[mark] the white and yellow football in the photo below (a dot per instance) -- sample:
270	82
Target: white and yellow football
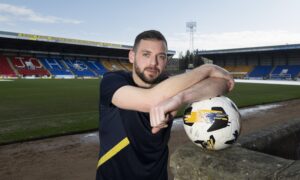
213	124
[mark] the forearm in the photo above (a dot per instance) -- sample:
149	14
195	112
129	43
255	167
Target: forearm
140	99
177	84
205	89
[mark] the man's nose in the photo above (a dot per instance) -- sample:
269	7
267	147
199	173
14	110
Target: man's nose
153	60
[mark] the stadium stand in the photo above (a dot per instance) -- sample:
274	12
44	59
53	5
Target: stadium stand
126	64
29	66
260	72
275	62
117	65
239	71
78	67
229	68
55	66
285	72
33	56
279	72
96	67
108	65
81	68
5	68
294	70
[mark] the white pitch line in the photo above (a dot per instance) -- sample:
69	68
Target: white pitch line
280	82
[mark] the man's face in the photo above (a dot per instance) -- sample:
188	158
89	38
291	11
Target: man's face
149	60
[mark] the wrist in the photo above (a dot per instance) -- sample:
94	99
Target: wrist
179	98
206	70
186	97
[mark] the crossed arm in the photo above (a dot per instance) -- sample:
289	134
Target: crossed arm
207	88
140	99
200	83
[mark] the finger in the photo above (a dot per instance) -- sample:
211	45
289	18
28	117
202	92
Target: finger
228	77
165	126
162	117
155	130
161	126
152	117
158	128
157	117
230	84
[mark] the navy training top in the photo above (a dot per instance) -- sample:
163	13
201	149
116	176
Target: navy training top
128	149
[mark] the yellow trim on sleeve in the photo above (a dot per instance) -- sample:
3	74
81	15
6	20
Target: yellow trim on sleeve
113	151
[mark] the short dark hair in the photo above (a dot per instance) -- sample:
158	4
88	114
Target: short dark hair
150	34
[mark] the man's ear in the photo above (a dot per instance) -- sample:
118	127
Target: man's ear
131	55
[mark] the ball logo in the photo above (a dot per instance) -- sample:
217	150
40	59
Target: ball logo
216	116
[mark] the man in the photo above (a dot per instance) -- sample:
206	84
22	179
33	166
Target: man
136	109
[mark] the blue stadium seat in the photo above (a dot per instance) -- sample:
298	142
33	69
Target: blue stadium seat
293	70
79	68
260	72
55	66
96	66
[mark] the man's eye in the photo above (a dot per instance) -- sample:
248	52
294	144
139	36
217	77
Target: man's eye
146	55
162	57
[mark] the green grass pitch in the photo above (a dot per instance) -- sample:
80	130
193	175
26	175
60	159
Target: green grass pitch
41	108
31	109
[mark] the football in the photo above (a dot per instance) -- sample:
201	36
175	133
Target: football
212	124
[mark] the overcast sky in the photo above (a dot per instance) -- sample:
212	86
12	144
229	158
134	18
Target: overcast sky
221	24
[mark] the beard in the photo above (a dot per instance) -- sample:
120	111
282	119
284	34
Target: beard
143	77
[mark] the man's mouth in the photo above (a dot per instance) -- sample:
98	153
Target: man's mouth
152	70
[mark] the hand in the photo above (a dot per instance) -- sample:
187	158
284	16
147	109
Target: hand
163	112
219	72
169	116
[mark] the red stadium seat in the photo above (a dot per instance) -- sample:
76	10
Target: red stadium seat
5	68
29	66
